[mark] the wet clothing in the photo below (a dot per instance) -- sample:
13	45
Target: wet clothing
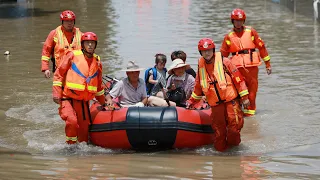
227	122
221	83
76	115
250	75
127	94
57	44
77	80
242	46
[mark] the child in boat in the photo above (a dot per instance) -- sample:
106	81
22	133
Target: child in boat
156	75
155	79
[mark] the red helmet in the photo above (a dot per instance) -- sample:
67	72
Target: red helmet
89	36
205	44
238	14
67	15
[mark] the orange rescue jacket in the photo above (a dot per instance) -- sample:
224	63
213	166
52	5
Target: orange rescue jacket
82	81
57	45
243	49
218	86
62	44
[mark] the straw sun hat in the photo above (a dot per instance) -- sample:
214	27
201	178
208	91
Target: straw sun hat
177	63
132	66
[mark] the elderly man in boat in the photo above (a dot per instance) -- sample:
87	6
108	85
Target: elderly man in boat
131	91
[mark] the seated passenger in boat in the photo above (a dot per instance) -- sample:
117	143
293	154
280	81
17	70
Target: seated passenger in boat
131	91
180	84
182	55
155	79
156	75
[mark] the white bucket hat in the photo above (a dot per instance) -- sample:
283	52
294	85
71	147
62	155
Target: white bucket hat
132	66
177	63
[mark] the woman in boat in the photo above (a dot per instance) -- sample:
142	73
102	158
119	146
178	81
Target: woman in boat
182	55
180	84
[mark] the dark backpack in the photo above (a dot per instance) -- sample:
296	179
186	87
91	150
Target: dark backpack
178	95
149	86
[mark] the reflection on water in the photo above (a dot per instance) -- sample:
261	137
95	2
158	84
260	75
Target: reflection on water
173	165
297	163
280	142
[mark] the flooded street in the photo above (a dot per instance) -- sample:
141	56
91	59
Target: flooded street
280	142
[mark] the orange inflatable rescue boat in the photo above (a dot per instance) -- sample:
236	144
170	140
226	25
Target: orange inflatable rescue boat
150	128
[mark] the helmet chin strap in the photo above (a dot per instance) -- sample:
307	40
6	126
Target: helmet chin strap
239	29
210	60
86	52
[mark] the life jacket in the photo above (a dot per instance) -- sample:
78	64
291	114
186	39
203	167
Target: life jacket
81	80
218	88
149	86
243	49
63	46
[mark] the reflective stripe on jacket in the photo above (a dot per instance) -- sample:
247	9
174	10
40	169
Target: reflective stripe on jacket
243	49
218	88
62	44
81	77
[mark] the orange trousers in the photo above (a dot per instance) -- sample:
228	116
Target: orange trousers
76	114
250	75
227	123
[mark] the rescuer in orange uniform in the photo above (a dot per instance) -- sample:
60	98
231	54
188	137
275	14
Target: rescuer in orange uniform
80	75
242	42
59	41
220	81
